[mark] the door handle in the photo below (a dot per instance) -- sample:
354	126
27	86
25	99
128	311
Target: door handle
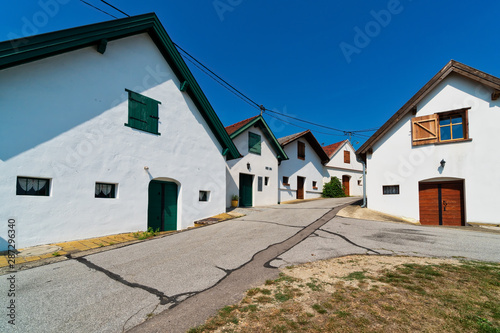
444	205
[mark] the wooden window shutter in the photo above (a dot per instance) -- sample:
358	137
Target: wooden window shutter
254	143
347	156
142	112
301	150
424	130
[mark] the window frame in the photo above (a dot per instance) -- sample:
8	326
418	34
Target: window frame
260	184
149	111
112	193
46	188
427	129
202	198
266	181
254	147
386	188
465	125
301	150
314	185
286	183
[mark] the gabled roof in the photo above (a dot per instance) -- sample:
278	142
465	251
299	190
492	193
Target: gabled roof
24	50
234	127
309	137
332	149
258	121
451	67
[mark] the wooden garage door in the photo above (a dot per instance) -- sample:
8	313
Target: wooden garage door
442	203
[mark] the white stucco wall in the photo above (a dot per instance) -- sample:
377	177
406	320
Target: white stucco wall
63	119
310	168
395	162
337	168
263	165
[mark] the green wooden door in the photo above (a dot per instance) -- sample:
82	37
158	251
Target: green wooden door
245	190
162	206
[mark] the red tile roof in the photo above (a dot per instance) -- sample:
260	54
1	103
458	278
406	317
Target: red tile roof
330	150
234	127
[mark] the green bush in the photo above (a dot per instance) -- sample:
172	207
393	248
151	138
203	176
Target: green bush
333	189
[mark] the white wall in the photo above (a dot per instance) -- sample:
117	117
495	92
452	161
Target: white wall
336	167
310	168
395	162
63	119
264	165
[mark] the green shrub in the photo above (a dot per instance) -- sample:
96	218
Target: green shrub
333	189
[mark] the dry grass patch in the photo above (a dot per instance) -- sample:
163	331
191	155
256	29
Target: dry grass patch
370	294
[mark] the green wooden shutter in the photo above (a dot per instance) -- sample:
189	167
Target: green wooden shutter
254	143
142	112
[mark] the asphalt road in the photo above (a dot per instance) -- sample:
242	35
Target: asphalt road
190	274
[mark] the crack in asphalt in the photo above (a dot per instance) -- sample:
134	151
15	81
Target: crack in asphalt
179	319
348	240
164	299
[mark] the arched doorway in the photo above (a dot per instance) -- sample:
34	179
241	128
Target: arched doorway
345	184
162	205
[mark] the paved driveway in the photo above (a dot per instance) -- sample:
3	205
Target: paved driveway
191	274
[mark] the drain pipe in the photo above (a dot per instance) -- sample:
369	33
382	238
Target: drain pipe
364	180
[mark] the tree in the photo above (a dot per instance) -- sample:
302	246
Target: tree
333	189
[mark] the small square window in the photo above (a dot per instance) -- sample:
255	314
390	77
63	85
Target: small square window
204	195
266	181
105	190
390	189
360	183
315	185
285	181
33	186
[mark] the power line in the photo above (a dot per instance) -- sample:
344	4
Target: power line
289	123
99	9
110	5
215	79
230	87
208	69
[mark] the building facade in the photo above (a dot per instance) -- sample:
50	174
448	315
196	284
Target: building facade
301	176
434	161
344	165
105	131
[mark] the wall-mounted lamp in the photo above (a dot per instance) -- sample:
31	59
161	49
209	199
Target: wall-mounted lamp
146	168
443	162
248	166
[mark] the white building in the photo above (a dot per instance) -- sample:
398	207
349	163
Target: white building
104	130
301	176
435	161
254	176
345	167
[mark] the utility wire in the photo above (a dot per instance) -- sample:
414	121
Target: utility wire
110	5
99	9
223	85
208	69
232	89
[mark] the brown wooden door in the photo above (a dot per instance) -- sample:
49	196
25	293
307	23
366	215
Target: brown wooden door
442	203
345	184
300	187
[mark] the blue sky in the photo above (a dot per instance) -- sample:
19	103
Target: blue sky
349	65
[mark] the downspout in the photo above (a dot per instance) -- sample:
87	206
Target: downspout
364	180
